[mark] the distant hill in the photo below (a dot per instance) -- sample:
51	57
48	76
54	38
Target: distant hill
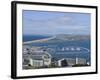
72	37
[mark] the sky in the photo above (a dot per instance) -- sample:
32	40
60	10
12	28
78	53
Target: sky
53	23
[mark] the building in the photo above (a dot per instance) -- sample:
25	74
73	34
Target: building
26	49
71	62
41	57
37	58
81	61
36	63
66	62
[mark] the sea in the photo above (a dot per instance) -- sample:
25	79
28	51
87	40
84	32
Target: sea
33	37
55	45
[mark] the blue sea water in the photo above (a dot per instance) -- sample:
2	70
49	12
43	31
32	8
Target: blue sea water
56	44
33	37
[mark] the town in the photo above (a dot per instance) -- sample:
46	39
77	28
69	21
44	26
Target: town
39	57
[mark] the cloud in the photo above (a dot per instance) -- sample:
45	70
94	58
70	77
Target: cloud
56	24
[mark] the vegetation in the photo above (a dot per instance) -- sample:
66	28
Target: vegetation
79	65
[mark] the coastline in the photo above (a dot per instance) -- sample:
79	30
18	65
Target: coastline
40	40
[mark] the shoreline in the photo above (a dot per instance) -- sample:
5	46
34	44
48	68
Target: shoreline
40	40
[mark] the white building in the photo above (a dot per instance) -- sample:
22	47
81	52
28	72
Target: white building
26	49
71	61
81	61
37	58
36	63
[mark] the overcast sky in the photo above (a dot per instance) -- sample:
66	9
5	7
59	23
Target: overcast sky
53	23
